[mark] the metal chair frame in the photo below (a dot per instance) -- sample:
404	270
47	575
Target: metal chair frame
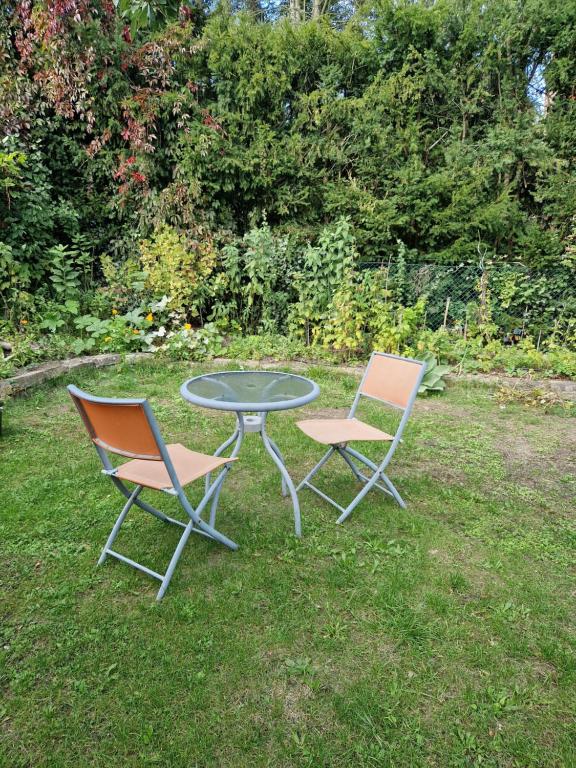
194	525
350	454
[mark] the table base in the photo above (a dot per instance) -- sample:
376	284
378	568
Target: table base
257	423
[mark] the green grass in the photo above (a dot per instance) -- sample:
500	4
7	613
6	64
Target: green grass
442	635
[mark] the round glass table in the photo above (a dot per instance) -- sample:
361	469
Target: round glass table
251	395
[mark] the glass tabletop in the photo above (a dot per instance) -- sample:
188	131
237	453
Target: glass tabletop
250	390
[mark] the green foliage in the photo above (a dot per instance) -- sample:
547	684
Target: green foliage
433	380
274	347
285	179
119	333
327	268
63	275
147	13
193	344
10	169
177	265
367	313
395	326
252	288
124	283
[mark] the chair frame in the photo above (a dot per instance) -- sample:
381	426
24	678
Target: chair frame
350	454
194	525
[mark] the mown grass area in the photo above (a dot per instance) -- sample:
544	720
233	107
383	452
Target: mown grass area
442	635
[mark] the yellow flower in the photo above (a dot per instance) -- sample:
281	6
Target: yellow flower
187	326
108	338
136	332
23	321
114	311
149	317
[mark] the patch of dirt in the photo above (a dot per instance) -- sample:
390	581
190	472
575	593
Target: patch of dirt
544	670
293	694
438	405
43	416
323	413
535	455
526	452
441	464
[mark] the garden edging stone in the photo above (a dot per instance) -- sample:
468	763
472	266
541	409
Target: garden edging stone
38	374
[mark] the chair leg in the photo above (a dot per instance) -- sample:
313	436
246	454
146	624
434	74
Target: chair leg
393	490
350	508
347	454
174	560
197	523
194	514
115	531
351	464
315	469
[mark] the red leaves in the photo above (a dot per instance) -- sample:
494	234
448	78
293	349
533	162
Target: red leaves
209	121
68	69
97	143
60	12
46	39
136	134
129	175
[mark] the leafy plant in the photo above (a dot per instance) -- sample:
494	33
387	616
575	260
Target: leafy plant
274	347
119	333
394	326
192	344
433	380
177	265
56	316
63	275
326	269
253	289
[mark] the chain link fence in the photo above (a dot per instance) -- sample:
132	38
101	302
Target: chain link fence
518	301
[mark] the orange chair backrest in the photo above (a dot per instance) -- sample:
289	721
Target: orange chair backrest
391	379
119	428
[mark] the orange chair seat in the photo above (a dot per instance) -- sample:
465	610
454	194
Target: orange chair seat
336	431
189	466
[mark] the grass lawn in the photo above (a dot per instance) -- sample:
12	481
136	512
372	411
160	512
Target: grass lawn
442	635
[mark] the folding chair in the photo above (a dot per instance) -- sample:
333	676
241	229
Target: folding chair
390	379
127	427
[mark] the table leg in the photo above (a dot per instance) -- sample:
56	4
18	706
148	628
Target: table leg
279	454
276	456
238	436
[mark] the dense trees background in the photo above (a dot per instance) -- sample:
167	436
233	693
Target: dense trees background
444	128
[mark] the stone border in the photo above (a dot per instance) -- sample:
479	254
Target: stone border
38	374
34	375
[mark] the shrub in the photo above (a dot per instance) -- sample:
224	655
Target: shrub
178	266
251	292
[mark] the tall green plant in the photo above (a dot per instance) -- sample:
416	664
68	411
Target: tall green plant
252	290
326	270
